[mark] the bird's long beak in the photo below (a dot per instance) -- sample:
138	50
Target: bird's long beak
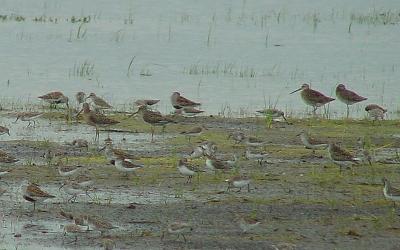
8	132
79	113
62	186
296	90
102	149
16	119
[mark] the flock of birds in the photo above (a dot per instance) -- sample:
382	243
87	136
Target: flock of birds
93	114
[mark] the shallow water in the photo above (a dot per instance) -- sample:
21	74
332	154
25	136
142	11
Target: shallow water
282	43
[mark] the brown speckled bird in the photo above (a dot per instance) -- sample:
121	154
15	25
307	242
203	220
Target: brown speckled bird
390	192
153	118
98	102
375	111
146	102
4	130
55	98
33	193
96	119
312	97
348	97
179	101
341	157
7	158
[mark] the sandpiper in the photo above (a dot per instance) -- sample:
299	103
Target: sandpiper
72	188
100	224
146	102
214	164
126	166
153	118
238	182
69	170
311	143
29	117
204	148
7	158
375	111
115	153
55	98
390	192
254	141
312	97
188	111
178	228
187	170
4	130
179	101
98	102
74	230
32	193
80	97
237	136
341	157
273	113
80	143
247	223
363	153
195	131
260	157
96	119
348	97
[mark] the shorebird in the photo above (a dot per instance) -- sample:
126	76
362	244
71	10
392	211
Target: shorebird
126	166
237	136
4	130
254	141
29	117
390	192
341	157
238	182
72	188
363	153
188	111
98	102
247	224
7	158
96	119
115	153
348	97
146	102
80	143
55	98
74	230
195	131
179	101
214	164
311	143
260	157
312	97
187	170
80	97
273	113
178	228
33	193
65	171
100	224
375	111
153	118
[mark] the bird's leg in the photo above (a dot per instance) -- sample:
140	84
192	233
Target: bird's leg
152	134
348	111
29	124
248	187
34	206
314	110
184	237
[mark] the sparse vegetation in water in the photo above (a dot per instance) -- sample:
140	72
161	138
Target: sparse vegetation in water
223	69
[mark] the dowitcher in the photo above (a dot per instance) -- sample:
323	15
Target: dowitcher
188	111
238	182
153	118
178	228
312	143
273	113
341	157
96	119
55	98
312	97
29	117
33	193
179	101
98	102
348	97
4	130
390	192
375	111
187	169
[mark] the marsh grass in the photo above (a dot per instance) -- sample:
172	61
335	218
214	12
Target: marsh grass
221	69
86	69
